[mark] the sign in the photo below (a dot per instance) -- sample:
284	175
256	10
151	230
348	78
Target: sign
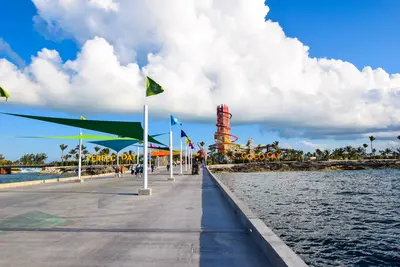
261	156
107	158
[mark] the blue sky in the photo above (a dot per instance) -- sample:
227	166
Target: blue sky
363	32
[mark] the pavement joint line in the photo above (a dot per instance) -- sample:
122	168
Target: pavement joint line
122	230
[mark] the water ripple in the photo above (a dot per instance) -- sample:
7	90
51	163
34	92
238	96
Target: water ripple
342	218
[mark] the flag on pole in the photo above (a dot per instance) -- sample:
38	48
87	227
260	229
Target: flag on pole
188	140
3	93
83	118
152	88
174	121
191	145
183	134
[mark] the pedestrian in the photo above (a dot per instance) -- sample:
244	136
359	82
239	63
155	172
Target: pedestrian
141	170
137	170
116	171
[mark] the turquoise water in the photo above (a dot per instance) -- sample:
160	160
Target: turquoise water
28	176
336	218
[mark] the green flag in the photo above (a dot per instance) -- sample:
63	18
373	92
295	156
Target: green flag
3	93
152	88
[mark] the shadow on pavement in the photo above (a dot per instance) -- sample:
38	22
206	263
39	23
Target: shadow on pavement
229	244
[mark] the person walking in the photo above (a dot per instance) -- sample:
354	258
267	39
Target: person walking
122	170
116	171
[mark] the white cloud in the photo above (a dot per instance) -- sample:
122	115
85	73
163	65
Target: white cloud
309	144
204	53
107	5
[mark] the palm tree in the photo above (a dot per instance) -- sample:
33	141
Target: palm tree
361	152
326	154
67	156
85	153
275	145
97	149
388	152
77	147
398	151
372	139
105	152
72	152
63	147
26	159
318	152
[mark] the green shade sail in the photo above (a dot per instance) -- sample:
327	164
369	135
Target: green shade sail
77	137
120	128
116	145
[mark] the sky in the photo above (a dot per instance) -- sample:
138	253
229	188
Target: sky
309	74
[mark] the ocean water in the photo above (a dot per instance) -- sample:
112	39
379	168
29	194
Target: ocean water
32	175
336	218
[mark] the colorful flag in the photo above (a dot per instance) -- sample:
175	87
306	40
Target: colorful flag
83	118
152	88
188	140
191	145
183	134
3	93
174	121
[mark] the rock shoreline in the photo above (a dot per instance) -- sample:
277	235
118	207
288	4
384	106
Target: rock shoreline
306	166
68	170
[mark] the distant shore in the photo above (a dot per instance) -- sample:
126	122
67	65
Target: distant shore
331	165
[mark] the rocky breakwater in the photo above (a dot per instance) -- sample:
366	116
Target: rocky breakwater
51	171
86	170
307	166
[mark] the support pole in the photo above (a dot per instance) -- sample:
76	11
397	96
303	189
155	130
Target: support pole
137	156
181	157
118	163
171	164
80	157
190	158
186	157
145	190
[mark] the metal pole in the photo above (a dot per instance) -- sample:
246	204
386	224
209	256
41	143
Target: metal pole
190	158
181	158
186	158
171	165
118	164
145	147
80	155
137	156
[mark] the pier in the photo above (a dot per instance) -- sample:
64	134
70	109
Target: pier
193	221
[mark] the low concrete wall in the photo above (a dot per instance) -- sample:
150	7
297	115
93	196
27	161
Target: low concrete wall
277	252
55	180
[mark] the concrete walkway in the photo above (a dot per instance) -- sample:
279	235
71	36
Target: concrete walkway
102	222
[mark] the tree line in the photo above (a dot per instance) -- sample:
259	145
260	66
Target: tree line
364	151
27	159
